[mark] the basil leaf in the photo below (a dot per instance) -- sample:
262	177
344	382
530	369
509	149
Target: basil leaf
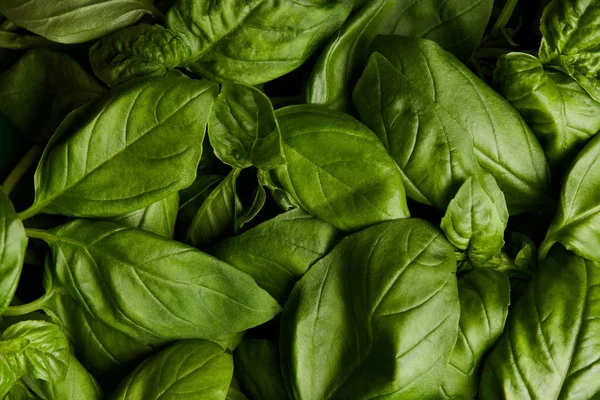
504	145
546	349
354	315
457	25
484	296
101	347
74	21
216	218
41	88
13	243
159	217
257	368
353	184
124	134
275	38
577	216
78	384
414	128
35	348
569	39
476	219
243	130
199	369
20	391
559	111
279	251
152	288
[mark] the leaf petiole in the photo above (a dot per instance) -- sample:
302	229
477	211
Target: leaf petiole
504	16
28	308
20	169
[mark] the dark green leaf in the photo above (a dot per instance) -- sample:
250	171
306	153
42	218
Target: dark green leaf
378	316
257	368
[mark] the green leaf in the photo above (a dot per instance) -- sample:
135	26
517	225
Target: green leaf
74	21
279	251
38	91
243	130
351	185
20	391
197	369
378	316
13	243
216	218
138	51
476	219
35	348
435	153
484	299
101	347
569	37
559	111
152	288
456	25
257	369
159	217
547	350
124	134
191	198
578	213
77	385
504	145
259	41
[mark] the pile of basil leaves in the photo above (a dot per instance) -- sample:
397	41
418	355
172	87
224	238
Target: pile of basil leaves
284	199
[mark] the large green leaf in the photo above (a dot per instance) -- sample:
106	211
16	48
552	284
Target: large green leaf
352	183
257	368
13	243
152	288
75	21
39	90
243	130
578	214
38	349
484	298
559	111
570	40
279	251
377	317
548	349
159	217
196	369
125	134
457	25
434	152
504	145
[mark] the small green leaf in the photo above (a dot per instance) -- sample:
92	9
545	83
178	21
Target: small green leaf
243	130
159	217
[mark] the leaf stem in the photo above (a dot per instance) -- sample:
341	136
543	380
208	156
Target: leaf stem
28	308
504	16
21	168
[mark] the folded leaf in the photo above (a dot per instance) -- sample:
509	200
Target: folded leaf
243	130
152	288
476	219
159	217
13	243
578	215
378	316
353	184
196	369
559	111
124	134
547	350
